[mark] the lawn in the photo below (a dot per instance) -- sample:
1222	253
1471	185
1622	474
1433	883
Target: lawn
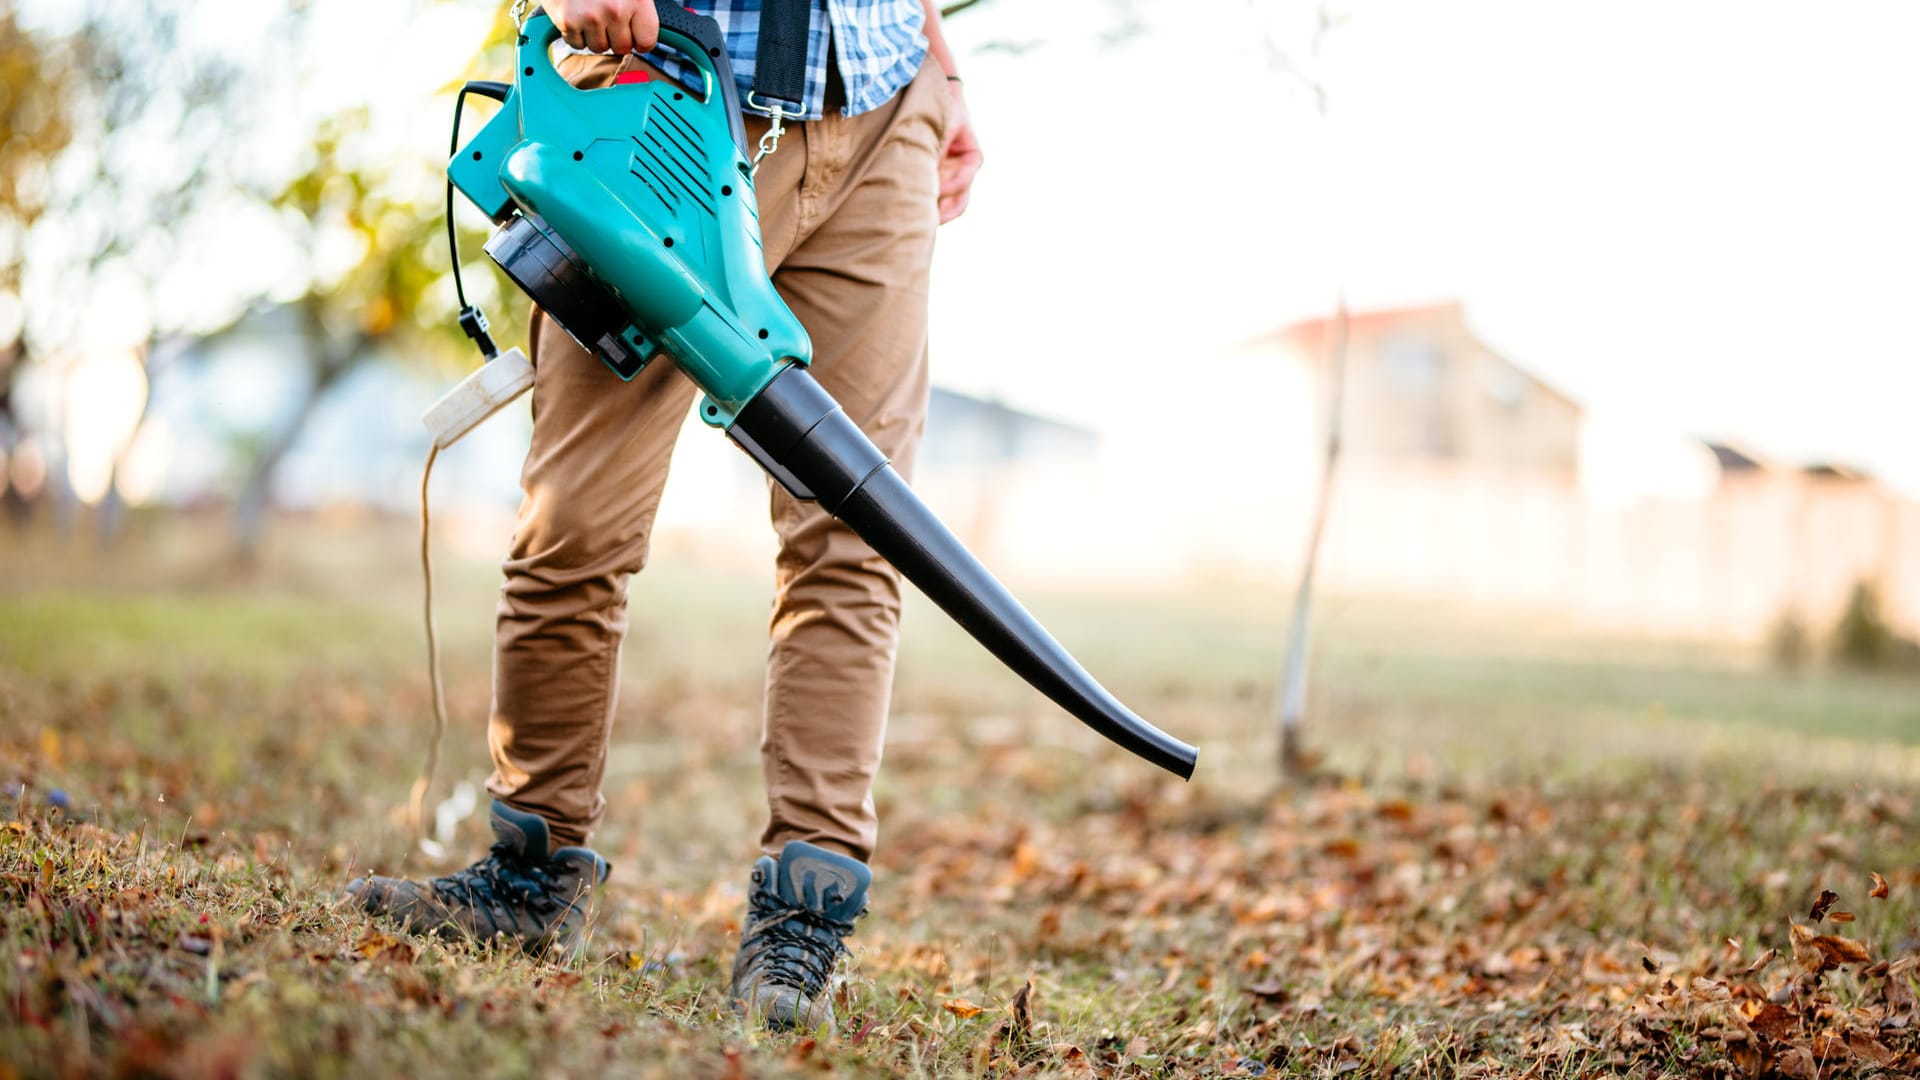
1528	850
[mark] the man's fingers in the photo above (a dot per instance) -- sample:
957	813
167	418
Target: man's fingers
952	206
957	172
645	28
619	39
596	38
573	37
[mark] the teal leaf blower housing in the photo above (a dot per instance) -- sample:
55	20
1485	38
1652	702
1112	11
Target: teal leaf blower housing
628	214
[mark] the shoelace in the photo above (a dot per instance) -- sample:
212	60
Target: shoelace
813	953
501	880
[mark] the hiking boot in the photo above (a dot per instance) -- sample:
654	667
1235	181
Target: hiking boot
518	891
799	913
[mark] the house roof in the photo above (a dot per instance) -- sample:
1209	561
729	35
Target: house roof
1734	459
1831	470
1315	336
1320	332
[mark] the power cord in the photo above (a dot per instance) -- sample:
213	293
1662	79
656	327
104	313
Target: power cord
477	397
425	782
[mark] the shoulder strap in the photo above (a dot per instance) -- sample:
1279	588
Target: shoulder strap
780	62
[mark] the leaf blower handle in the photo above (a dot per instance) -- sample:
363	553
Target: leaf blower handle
698	37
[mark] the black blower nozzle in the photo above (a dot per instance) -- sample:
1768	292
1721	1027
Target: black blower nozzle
800	435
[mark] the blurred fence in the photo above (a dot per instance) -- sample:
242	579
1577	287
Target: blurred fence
1724	565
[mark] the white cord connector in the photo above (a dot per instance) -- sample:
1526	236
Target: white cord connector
461	409
492	387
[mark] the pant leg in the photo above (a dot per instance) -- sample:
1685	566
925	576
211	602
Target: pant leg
592	482
860	217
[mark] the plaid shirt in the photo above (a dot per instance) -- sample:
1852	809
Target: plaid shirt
877	46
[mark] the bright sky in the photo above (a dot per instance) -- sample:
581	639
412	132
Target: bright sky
1694	218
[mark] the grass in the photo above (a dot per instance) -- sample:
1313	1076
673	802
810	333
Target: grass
1531	851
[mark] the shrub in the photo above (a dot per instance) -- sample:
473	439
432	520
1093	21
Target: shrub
1863	638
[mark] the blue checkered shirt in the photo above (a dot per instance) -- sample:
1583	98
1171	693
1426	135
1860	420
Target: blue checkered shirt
877	45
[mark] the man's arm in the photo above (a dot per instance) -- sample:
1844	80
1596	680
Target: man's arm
960	158
615	26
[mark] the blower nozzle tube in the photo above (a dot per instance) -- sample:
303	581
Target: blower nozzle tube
800	435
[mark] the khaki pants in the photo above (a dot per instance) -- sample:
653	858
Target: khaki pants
847	215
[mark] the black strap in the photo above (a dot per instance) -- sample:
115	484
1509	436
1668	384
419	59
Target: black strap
780	63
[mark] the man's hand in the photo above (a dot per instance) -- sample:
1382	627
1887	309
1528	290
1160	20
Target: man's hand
960	158
616	26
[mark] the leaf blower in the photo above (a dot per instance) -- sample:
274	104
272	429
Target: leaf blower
627	213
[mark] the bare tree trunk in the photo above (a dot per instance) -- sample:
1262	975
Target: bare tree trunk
256	496
112	515
12	361
1294	761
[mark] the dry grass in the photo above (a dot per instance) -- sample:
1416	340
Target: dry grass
1529	855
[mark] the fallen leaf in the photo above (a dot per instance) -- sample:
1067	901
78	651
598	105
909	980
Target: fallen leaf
1824	952
1711	990
1797	1062
1652	968
962	1008
1828	898
1879	887
378	946
1773	1022
1765	959
1840	916
1270	990
1869	1049
1841	950
1023	1009
1049	926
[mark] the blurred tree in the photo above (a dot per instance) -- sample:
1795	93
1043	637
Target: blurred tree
1864	638
389	297
34	131
129	139
394	295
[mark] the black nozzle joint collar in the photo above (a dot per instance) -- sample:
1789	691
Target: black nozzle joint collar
474	322
785	429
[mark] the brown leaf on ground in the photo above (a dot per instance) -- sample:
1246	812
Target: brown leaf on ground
378	946
1797	1063
1879	887
1270	990
1824	952
1773	1022
1023	1009
1652	968
1840	916
1828	898
962	1008
1869	1049
1765	959
1842	950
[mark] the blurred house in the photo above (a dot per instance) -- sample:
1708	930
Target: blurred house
977	461
966	432
1421	387
1465	479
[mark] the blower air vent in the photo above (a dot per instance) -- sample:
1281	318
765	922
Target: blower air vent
670	158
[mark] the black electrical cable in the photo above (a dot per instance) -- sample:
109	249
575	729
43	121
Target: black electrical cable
453	241
473	321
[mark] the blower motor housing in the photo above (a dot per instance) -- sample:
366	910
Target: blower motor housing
547	270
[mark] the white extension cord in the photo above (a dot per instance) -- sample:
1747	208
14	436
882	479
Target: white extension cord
494	386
